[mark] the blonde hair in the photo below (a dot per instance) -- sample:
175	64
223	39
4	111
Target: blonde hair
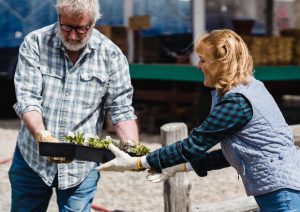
79	7
231	53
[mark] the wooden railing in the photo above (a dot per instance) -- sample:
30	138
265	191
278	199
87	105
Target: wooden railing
177	189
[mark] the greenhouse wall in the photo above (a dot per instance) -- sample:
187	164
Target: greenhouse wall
23	16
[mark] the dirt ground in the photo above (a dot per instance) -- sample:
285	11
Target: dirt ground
127	191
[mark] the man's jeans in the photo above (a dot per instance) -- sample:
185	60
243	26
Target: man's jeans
30	193
282	200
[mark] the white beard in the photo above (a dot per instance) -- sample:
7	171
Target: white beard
77	46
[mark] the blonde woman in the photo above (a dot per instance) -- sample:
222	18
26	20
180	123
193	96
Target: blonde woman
255	139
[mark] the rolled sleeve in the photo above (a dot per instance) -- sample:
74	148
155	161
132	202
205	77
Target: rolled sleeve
119	94
22	107
28	79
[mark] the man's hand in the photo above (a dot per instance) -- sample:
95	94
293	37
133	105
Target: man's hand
45	136
155	177
123	145
122	162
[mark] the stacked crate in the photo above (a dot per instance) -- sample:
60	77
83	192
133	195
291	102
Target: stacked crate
118	35
294	33
270	50
150	50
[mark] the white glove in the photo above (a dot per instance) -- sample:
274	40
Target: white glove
122	162
45	136
166	173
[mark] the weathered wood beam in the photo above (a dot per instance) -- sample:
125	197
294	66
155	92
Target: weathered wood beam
176	189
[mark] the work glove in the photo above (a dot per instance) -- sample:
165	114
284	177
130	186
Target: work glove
122	162
155	177
46	136
122	145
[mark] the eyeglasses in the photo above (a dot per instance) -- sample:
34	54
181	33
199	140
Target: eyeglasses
79	29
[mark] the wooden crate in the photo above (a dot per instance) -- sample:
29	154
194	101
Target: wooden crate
117	34
105	30
113	31
270	50
139	22
151	49
294	33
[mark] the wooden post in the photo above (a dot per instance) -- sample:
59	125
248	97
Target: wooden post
176	189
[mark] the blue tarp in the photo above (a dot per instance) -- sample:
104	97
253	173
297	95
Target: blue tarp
167	16
19	17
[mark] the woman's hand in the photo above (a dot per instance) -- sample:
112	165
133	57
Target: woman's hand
122	162
166	173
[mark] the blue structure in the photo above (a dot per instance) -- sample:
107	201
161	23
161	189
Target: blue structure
19	17
167	16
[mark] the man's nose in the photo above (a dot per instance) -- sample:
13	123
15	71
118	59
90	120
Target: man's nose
73	34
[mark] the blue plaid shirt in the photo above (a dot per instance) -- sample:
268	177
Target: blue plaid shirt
230	114
70	97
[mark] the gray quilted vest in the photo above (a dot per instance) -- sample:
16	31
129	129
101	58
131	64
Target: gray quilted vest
263	152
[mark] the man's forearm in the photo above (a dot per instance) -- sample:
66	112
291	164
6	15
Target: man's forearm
127	130
33	121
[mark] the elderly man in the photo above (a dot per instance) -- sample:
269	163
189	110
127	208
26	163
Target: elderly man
68	76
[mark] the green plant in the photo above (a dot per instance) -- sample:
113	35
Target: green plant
96	142
99	143
75	138
137	150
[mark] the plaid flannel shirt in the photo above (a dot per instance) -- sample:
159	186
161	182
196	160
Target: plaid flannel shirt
230	114
70	97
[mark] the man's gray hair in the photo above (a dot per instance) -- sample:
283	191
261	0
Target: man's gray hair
80	6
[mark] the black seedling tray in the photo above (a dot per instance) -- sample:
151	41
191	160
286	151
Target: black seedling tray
73	151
